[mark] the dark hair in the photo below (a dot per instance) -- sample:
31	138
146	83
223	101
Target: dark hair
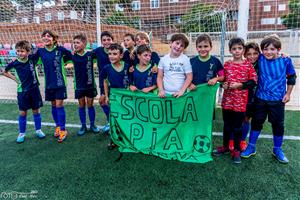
107	34
116	46
236	41
270	39
80	37
182	37
251	45
204	37
52	34
143	48
129	35
23	44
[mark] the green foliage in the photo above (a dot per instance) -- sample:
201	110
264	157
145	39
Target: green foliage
118	18
292	20
201	18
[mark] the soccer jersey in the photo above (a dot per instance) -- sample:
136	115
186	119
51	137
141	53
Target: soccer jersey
272	77
53	64
143	78
154	59
102	60
84	71
117	78
236	99
25	74
204	70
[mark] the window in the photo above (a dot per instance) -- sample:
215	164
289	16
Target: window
175	19
60	16
136	5
281	7
73	14
24	20
233	15
119	7
267	21
279	21
48	17
173	1
154	4
267	8
36	19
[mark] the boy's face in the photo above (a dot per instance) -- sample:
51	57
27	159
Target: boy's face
177	47
128	42
252	55
270	52
106	41
140	41
47	40
78	45
203	48
237	51
22	53
144	57
114	56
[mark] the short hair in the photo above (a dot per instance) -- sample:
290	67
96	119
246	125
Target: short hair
80	37
182	37
23	44
270	39
52	34
236	41
142	35
251	45
143	48
116	46
204	37
129	35
107	34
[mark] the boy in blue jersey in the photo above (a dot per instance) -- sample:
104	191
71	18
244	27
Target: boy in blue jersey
142	77
115	74
129	54
102	60
276	78
84	82
53	59
29	96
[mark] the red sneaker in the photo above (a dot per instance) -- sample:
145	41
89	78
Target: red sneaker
243	145
231	145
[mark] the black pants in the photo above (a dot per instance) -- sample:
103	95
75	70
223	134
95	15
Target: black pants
232	124
274	110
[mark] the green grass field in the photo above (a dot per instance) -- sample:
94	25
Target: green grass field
82	168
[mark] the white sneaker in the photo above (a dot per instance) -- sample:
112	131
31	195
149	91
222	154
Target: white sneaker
40	134
21	138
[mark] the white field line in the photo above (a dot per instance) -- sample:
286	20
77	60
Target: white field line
3	121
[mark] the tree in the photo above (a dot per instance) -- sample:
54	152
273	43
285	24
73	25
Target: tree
7	11
292	20
201	18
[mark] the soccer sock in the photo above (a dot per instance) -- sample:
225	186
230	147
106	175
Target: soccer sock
54	115
82	115
105	109
37	121
245	130
277	141
92	115
231	136
22	124
253	137
61	115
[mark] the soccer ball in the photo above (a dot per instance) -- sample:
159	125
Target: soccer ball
202	143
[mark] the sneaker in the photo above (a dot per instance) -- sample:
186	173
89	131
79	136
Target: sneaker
94	129
106	128
20	138
62	136
236	157
56	133
82	131
279	155
40	134
243	145
220	151
250	151
231	145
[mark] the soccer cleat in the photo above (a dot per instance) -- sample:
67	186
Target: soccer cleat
62	136
94	129
20	138
250	151
40	134
220	151
231	145
106	128
243	145
56	133
82	131
279	155
236	157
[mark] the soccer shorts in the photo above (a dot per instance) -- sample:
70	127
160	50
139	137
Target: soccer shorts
90	93
30	99
56	94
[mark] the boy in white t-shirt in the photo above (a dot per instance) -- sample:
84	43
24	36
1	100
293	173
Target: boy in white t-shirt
174	69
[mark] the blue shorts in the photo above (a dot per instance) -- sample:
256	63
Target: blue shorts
30	99
90	93
55	94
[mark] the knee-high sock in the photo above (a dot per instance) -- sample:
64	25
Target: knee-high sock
22	124
253	137
37	121
54	115
105	109
92	115
61	115
245	130
82	115
277	140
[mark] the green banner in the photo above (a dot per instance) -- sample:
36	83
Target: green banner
173	129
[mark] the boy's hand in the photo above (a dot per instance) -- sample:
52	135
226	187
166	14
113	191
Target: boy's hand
178	94
154	69
286	98
235	85
133	88
106	100
284	55
131	69
131	55
212	81
192	87
162	94
146	90
102	100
